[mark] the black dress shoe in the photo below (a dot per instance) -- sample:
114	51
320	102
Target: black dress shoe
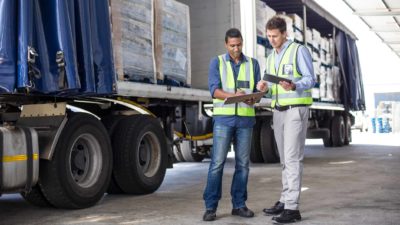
209	215
243	212
288	216
276	209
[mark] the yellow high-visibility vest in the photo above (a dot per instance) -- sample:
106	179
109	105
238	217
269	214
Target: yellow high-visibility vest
246	74
287	69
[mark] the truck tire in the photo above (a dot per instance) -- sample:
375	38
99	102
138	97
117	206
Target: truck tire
255	151
317	133
140	154
269	150
177	154
338	131
36	197
80	170
347	136
187	153
110	122
327	140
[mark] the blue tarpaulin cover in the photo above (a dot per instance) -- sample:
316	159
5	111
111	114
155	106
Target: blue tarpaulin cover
352	89
8	44
56	47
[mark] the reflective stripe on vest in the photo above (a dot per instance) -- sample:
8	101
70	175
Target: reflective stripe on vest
246	73
288	69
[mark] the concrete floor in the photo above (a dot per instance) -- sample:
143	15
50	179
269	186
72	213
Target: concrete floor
358	184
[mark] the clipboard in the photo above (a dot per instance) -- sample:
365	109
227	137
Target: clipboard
275	79
241	98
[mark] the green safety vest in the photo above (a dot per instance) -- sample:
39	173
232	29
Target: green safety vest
287	69
246	74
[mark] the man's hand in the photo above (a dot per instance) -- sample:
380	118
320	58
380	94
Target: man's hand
288	86
239	92
250	102
262	85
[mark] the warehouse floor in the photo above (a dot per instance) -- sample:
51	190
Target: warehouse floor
358	184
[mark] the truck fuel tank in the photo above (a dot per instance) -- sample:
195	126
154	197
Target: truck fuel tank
19	158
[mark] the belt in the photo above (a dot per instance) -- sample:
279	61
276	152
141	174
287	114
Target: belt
286	107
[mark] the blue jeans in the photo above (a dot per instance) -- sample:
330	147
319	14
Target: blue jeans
222	136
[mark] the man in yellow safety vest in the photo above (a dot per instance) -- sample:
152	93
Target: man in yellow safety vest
290	101
231	74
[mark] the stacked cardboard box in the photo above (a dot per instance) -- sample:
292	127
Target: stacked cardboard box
172	37
132	26
263	14
151	40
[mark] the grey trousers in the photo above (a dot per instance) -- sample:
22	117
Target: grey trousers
290	129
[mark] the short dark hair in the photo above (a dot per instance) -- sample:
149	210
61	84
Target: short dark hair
276	22
233	33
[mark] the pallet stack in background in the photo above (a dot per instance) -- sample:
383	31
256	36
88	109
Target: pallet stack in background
263	48
151	40
320	48
133	39
172	37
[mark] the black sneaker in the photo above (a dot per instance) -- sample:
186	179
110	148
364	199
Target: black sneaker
210	215
288	216
243	212
276	209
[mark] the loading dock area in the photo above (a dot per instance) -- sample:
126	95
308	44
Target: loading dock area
355	184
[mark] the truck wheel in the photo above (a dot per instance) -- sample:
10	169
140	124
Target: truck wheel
327	140
255	151
187	153
36	197
110	122
178	154
80	170
269	150
338	131
140	154
347	136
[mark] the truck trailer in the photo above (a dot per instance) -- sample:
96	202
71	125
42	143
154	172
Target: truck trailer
103	96
85	109
339	87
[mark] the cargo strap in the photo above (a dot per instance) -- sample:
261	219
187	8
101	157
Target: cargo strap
29	165
60	59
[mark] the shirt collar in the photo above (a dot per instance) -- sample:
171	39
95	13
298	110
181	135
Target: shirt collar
228	58
284	46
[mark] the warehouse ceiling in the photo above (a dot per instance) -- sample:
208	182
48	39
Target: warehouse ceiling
382	17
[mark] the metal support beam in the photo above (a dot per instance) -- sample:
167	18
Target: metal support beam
383	30
377	13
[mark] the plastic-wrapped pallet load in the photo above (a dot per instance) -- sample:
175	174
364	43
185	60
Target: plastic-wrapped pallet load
132	25
309	37
289	26
315	93
172	37
261	18
263	14
316	36
322	80
297	27
261	57
336	83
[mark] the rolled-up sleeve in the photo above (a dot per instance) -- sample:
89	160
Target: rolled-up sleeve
306	69
214	78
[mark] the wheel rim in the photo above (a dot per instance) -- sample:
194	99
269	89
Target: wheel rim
85	160
149	157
